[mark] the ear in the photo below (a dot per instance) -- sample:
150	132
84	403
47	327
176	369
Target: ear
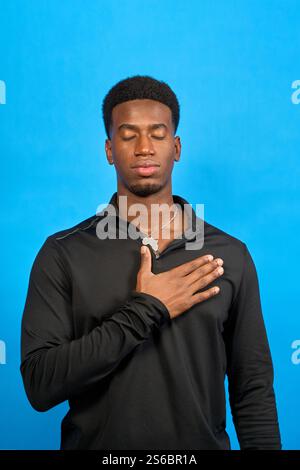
177	149
108	152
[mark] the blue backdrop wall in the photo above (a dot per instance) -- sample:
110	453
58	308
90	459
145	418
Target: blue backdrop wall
234	66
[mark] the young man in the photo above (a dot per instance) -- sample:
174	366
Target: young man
139	344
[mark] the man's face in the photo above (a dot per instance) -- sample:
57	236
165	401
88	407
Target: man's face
142	131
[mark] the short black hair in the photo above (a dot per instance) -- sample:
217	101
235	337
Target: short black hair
139	87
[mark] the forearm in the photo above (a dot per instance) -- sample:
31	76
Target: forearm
254	414
54	374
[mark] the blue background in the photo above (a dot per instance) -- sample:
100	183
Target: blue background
232	65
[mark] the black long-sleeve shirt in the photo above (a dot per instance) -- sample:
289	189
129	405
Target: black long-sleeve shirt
135	378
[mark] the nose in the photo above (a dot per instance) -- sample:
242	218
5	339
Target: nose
143	146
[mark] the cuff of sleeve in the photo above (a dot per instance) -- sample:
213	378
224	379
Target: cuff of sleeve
151	301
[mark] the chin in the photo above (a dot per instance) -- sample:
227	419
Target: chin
145	189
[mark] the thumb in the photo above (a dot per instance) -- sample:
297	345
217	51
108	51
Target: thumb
145	259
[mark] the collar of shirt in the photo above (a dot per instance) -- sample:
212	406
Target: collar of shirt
195	230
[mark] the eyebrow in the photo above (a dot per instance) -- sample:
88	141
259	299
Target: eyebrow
134	127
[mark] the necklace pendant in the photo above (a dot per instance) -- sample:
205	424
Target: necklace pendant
150	241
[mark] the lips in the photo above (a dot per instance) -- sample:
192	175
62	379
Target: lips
146	168
145	171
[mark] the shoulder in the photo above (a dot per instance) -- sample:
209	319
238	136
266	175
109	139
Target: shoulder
224	239
51	248
73	230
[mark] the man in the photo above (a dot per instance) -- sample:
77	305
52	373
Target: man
139	344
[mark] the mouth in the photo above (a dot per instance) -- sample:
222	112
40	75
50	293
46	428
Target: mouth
145	170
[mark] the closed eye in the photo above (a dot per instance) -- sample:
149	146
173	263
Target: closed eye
154	136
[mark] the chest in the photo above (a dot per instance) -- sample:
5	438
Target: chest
102	284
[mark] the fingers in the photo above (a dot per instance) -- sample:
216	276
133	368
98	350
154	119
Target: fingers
207	294
207	279
146	259
187	268
203	270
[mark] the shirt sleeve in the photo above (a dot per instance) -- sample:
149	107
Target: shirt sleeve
249	367
55	366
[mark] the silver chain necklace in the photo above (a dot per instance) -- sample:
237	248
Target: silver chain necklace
153	242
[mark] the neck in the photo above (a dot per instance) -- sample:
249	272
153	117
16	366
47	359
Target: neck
144	220
147	201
